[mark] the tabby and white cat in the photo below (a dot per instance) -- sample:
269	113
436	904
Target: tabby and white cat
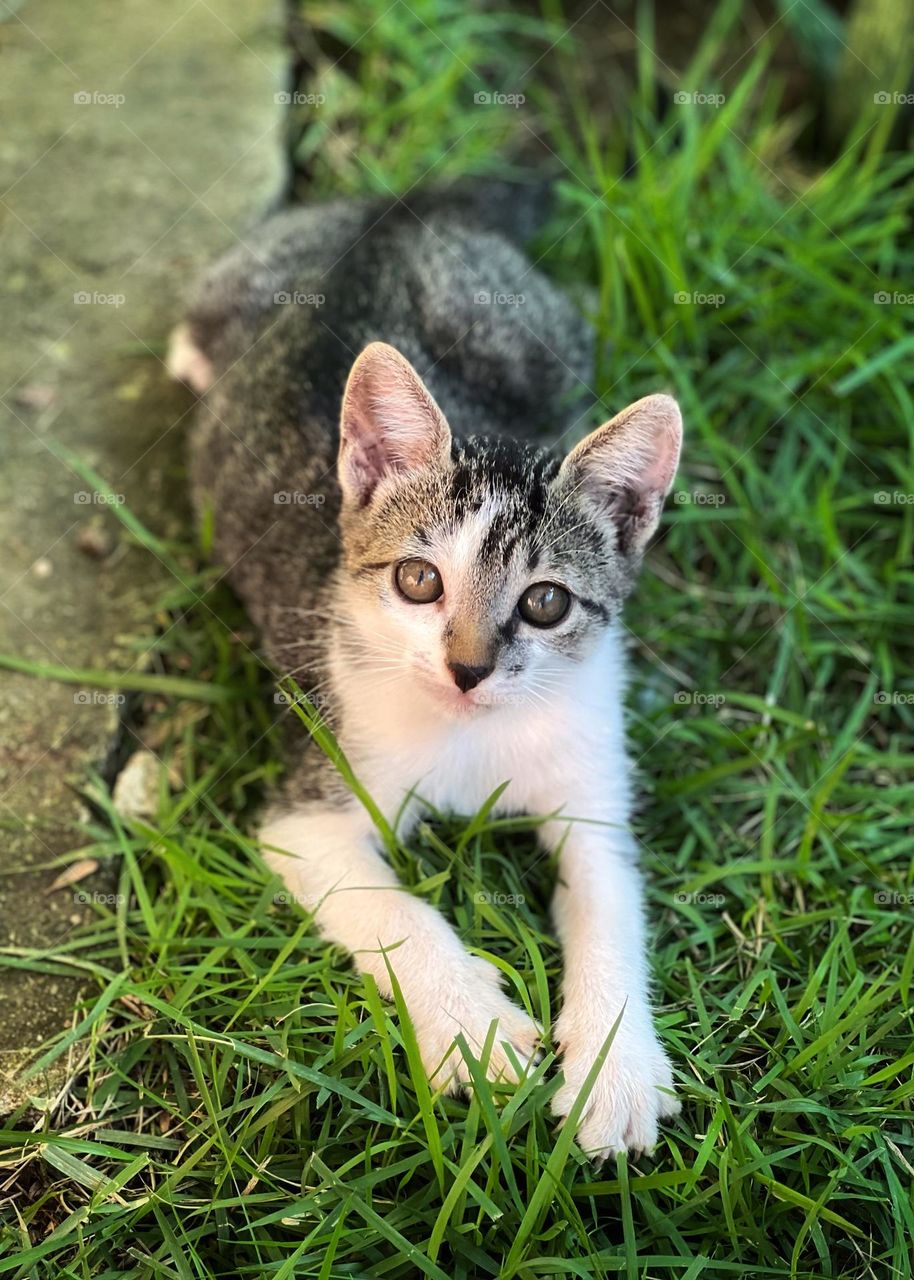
453	586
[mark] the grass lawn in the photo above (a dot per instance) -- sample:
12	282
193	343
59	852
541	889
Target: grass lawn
242	1104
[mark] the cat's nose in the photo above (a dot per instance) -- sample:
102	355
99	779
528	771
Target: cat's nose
466	678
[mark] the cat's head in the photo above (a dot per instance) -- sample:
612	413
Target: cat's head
485	569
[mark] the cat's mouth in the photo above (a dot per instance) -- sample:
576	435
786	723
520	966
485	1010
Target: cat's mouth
451	698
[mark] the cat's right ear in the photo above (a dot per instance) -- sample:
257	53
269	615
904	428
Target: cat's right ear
390	423
627	467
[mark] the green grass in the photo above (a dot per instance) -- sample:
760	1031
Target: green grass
244	1105
410	91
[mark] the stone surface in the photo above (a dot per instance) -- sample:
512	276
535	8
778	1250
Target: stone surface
139	140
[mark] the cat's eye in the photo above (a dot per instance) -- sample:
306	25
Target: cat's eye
544	604
419	581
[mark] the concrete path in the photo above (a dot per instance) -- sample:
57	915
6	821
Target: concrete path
139	140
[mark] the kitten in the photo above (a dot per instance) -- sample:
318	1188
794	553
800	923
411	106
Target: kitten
456	589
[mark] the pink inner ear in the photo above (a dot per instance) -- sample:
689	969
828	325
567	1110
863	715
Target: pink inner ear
659	470
389	423
363	455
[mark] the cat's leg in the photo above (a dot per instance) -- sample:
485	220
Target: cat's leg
599	915
330	860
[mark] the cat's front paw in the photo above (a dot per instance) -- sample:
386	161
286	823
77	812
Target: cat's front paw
466	1002
631	1094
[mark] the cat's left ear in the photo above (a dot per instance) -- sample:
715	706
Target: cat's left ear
628	465
390	423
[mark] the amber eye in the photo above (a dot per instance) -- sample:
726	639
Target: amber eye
544	604
419	581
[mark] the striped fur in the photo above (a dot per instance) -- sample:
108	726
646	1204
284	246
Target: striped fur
440	433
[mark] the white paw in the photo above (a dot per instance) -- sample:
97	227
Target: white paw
631	1094
185	361
466	1003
